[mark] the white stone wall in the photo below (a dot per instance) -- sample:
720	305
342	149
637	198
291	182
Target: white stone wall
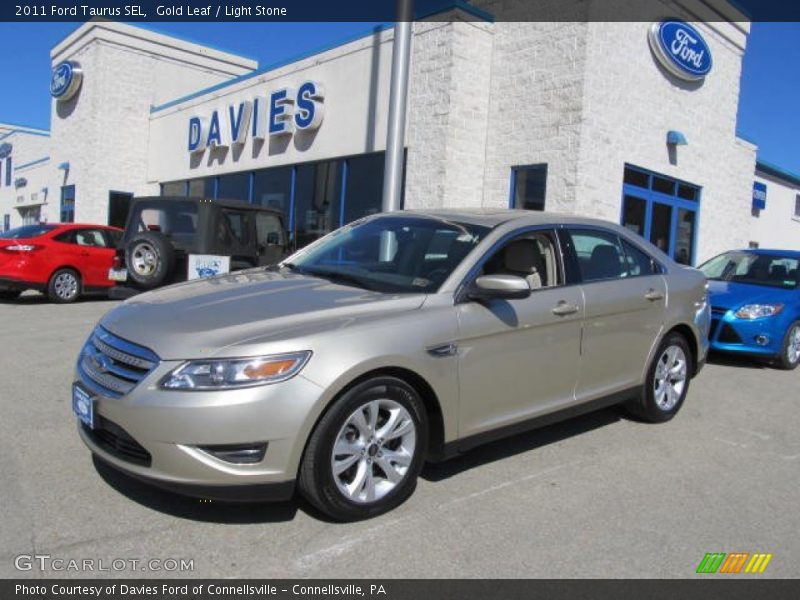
536	108
777	226
27	148
448	114
103	132
630	103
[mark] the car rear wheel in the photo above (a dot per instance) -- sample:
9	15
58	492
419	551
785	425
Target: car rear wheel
790	355
667	381
366	452
64	286
150	259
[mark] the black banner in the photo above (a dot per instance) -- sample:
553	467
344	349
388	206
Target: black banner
385	10
734	588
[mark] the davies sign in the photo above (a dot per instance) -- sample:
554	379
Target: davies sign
280	113
680	49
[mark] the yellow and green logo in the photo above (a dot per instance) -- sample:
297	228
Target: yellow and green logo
734	563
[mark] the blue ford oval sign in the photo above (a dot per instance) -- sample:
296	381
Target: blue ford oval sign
681	49
65	80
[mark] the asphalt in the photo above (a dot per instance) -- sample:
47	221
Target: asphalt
597	496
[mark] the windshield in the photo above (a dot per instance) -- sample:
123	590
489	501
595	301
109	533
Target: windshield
175	218
26	231
390	254
769	270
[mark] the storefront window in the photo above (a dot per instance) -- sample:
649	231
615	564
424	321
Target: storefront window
234	187
173	188
364	192
529	187
273	188
316	201
8	171
634	214
202	187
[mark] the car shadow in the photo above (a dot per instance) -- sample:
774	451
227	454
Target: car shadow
36	298
199	509
742	362
523	442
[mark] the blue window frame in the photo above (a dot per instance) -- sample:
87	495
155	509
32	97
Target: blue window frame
67	209
662	210
528	187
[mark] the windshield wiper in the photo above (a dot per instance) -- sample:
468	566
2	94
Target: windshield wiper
344	278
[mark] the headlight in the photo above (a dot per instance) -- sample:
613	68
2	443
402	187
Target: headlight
235	373
758	311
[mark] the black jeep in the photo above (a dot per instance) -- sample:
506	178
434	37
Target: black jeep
162	232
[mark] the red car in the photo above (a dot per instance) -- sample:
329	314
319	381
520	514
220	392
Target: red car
61	260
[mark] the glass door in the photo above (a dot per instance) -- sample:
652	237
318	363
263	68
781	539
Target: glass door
662	210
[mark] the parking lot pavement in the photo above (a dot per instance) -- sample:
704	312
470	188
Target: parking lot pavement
597	496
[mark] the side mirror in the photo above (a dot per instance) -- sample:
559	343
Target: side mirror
504	287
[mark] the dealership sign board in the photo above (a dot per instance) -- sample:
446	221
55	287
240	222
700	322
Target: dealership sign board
65	80
759	195
280	113
681	50
207	265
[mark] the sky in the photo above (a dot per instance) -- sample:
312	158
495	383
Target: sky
768	106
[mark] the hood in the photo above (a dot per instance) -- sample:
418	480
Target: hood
220	315
732	295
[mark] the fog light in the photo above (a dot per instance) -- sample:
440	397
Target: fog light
239	454
762	340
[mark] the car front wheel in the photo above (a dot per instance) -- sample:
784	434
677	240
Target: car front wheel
366	452
789	357
667	381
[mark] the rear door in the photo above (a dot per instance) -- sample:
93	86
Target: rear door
625	297
89	251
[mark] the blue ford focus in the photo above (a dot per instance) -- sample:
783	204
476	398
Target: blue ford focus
755	304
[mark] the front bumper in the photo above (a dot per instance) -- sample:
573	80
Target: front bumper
158	435
757	337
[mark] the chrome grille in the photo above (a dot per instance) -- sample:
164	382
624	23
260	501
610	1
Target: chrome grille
112	366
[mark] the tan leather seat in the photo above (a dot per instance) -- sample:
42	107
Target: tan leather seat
524	259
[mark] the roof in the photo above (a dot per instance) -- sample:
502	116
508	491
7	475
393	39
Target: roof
777	172
772	251
492	217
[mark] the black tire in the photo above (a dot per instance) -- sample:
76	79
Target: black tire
659	407
150	259
64	286
785	360
9	295
317	481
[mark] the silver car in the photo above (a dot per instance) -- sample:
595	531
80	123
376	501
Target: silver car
397	339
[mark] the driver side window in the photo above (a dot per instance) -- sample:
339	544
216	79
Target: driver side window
531	256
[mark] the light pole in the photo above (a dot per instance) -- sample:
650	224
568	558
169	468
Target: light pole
395	135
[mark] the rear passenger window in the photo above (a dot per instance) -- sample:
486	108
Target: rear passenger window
600	255
638	262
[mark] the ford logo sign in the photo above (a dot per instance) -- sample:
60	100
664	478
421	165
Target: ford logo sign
65	80
680	49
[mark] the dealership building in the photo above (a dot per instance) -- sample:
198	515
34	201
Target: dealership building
634	122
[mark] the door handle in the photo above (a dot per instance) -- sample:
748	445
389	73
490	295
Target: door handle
562	309
653	295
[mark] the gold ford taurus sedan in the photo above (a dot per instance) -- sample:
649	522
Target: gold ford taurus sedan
397	339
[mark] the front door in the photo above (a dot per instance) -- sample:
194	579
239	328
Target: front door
519	359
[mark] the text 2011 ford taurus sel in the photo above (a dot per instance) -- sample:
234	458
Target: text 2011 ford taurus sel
396	339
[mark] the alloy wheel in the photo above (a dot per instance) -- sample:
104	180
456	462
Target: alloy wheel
670	377
66	286
373	451
793	347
